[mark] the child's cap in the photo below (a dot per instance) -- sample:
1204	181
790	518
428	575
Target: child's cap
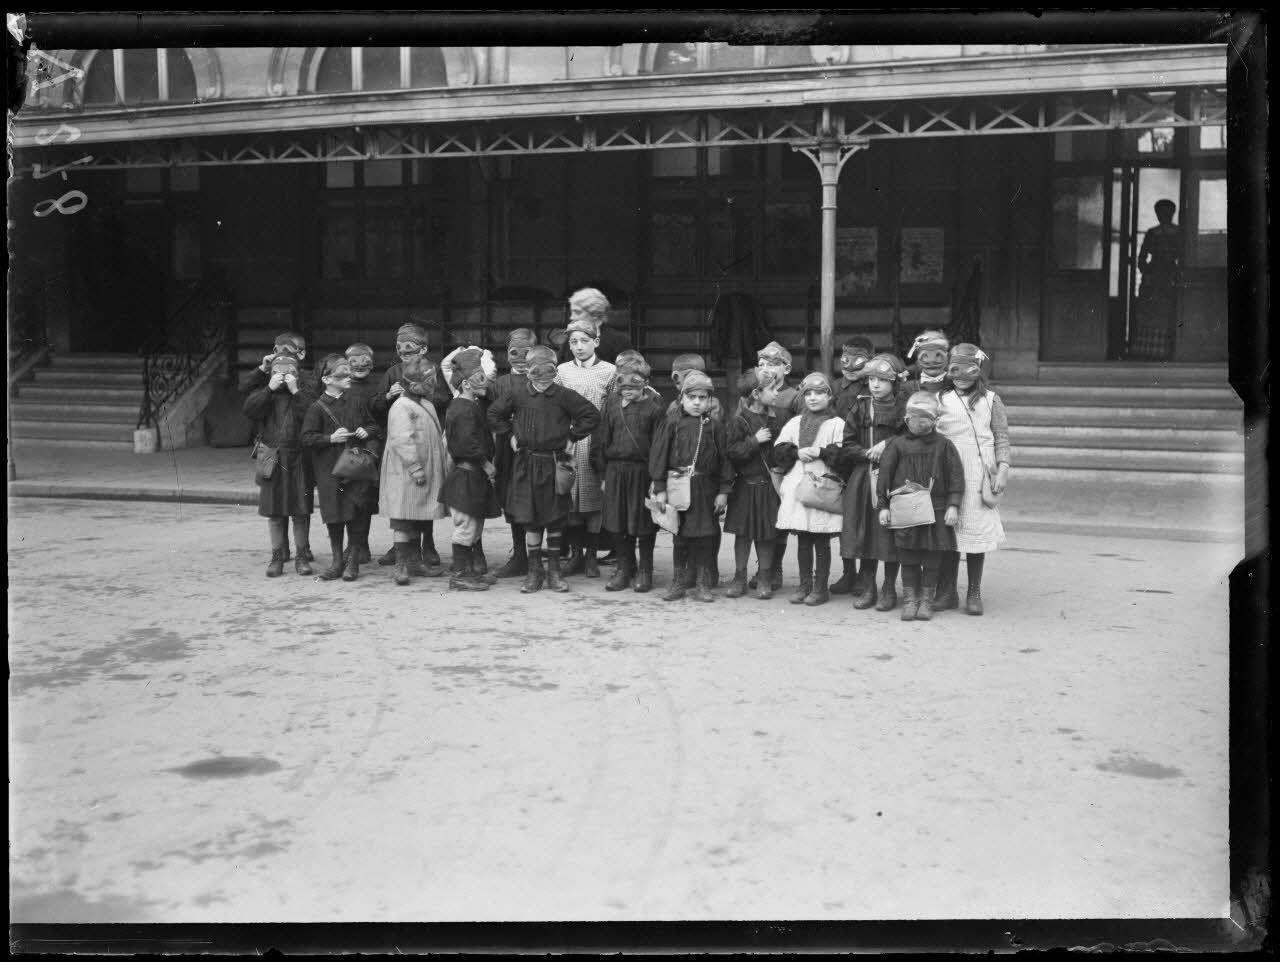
688	362
880	367
634	365
924	404
631	378
630	354
696	381
521	337
773	351
289	341
858	341
464	364
331	363
929	339
359	349
815	381
968	352
411	332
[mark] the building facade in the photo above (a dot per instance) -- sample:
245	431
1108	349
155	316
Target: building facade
1002	192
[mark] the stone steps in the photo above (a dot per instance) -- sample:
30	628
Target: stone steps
89	399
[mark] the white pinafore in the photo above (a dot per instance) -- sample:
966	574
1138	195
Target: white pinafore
979	530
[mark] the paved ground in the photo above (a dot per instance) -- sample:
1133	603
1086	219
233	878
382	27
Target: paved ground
192	742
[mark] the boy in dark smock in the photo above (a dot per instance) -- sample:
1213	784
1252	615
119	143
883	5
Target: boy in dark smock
776	360
620	450
519	342
468	487
334	422
411	341
542	420
279	404
362	391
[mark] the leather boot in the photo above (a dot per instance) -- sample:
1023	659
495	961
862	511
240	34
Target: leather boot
848	580
973	601
864	595
677	589
590	567
888	597
463	576
925	611
363	555
431	557
287	556
764	589
819	593
351	564
480	565
416	568
555	580
802	589
536	575
401	550
621	579
275	567
517	565
336	561
775	576
390	557
910	604
644	578
302	563
946	597
738	586
701	590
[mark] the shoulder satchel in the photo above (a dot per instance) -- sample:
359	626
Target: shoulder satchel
911	505
266	460
354	463
824	491
680	480
989	496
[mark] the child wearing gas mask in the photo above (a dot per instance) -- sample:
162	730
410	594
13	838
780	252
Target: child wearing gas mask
411	342
925	457
542	421
335	421
620	452
930	350
519	343
362	391
810	443
752	513
854	354
413	468
776	360
696	441
973	418
279	406
468	488
876	416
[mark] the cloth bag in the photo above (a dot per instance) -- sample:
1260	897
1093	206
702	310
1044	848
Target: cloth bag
667	520
566	476
911	506
266	459
680	488
356	464
822	491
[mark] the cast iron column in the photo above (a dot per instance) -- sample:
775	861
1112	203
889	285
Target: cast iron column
829	151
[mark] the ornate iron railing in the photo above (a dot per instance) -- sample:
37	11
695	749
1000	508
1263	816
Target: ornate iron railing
199	329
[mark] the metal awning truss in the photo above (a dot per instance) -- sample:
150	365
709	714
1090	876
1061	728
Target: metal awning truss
1126	109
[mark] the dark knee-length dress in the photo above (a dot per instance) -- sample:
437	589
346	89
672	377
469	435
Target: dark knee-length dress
920	458
620	452
688	440
753	502
870	422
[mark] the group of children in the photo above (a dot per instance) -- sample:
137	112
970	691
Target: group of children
573	452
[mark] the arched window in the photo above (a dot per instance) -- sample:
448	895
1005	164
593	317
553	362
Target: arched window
139	77
378	68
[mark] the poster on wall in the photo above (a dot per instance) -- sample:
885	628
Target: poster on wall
856	252
921	255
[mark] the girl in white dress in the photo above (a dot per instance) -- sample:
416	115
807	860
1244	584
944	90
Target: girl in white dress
809	444
973	418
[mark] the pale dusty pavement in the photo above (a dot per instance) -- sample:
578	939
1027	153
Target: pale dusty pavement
416	755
